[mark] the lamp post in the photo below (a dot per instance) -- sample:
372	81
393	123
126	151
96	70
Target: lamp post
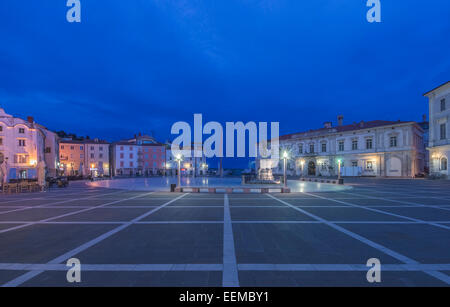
285	157
339	169
302	163
178	158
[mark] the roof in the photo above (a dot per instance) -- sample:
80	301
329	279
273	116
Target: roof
436	88
62	141
345	128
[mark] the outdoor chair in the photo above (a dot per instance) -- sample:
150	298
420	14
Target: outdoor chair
23	187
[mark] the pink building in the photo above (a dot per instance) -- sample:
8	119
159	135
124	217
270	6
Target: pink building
142	156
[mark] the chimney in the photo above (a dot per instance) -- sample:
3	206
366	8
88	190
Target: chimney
30	119
327	125
340	119
424	117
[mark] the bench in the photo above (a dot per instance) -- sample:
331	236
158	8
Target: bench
230	190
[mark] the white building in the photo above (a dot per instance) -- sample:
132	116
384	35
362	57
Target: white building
375	148
190	165
23	144
124	158
439	133
141	155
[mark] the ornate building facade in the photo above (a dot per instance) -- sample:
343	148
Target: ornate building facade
23	144
439	130
375	148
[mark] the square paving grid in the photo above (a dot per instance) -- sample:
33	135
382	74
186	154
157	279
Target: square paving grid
131	238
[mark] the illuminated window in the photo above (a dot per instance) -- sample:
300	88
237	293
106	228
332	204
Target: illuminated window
369	165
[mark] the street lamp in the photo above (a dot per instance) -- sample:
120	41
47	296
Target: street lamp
302	163
339	169
285	157
179	159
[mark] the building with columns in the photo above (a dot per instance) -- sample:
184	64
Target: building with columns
23	144
439	130
375	148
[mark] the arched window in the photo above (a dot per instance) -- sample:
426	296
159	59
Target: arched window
444	163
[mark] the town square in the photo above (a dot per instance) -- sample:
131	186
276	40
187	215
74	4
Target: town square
236	145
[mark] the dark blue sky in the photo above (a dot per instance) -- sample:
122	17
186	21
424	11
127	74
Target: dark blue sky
141	65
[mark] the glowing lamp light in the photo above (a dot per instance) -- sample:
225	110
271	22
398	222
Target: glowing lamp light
285	155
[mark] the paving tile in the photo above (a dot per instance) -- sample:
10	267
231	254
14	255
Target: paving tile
129	279
423	243
160	243
267	214
334	279
300	243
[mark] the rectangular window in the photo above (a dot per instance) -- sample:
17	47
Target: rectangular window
22	143
1	128
311	148
22	130
62	147
121	155
121	147
131	156
92	156
443	131
72	148
81	147
354	163
369	165
393	141
354	144
131	164
121	163
100	156
442	105
1	141
92	147
341	145
300	148
324	147
369	143
101	148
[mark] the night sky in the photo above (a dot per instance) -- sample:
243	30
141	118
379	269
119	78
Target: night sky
141	65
